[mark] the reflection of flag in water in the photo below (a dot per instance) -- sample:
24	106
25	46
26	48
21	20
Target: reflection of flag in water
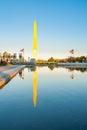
72	51
72	76
21	76
22	50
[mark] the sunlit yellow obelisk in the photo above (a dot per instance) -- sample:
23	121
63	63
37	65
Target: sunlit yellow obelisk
35	49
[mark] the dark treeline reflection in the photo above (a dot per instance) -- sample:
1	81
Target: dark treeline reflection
70	69
33	68
51	67
78	69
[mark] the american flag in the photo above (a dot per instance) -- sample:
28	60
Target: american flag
22	50
72	51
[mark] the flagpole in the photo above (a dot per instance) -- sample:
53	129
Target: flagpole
72	53
23	53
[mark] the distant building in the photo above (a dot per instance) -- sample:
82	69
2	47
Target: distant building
33	61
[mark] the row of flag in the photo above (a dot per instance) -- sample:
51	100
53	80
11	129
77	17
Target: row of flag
71	51
22	50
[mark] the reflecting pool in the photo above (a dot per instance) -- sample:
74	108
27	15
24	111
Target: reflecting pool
45	98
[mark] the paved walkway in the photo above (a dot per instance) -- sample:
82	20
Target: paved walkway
8	72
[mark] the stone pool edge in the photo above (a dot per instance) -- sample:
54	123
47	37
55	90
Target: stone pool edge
8	75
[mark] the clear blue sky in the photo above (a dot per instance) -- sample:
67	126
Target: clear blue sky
62	25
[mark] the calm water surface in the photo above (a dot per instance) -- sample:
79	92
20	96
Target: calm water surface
46	99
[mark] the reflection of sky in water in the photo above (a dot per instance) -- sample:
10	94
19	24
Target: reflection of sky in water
61	101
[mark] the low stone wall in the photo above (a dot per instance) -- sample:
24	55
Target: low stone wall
8	72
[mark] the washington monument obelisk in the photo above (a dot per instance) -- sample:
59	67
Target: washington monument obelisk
35	48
